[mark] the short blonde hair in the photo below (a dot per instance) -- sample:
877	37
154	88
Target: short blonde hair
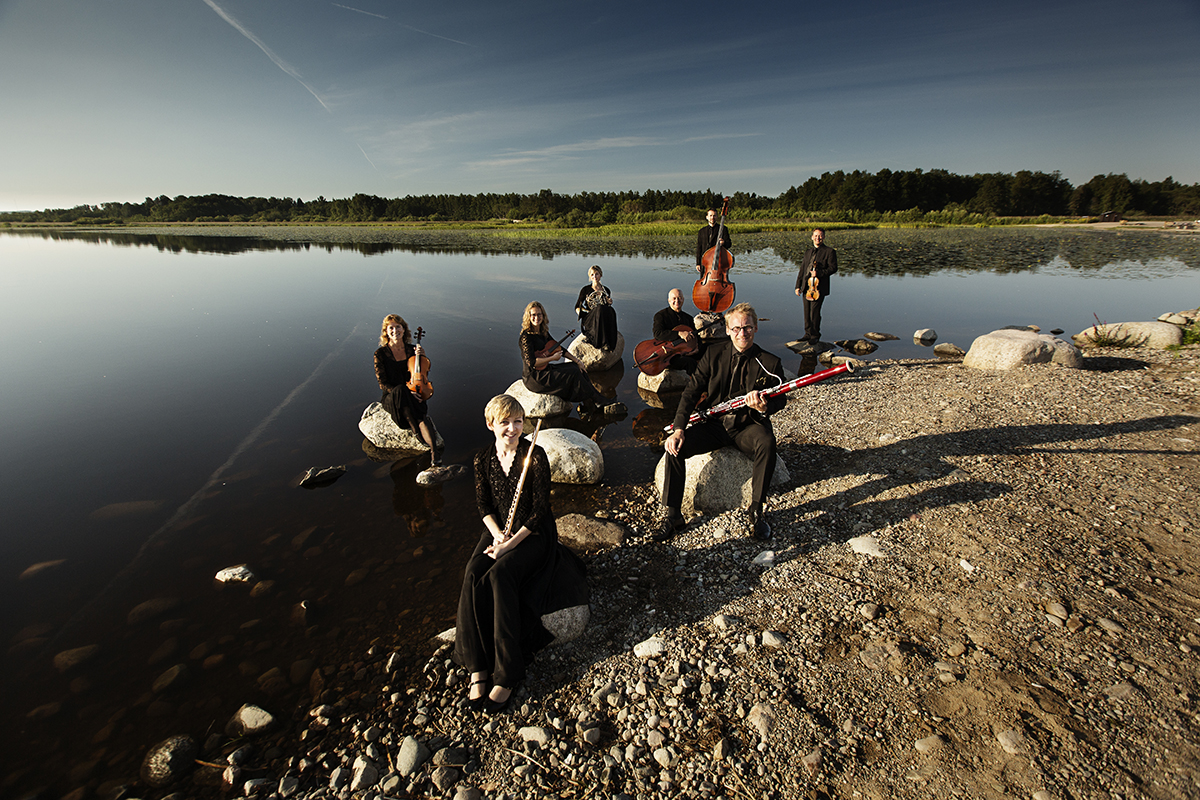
502	406
743	308
395	319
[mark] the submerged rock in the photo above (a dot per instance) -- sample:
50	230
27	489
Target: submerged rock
315	478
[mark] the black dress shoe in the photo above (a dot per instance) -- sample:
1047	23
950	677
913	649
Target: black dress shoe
477	703
760	529
670	524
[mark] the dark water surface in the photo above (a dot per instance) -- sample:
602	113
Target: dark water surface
162	392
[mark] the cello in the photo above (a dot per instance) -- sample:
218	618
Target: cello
654	355
714	292
418	372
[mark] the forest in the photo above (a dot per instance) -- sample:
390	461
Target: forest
914	196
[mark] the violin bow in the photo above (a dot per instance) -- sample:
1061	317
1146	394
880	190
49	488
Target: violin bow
512	512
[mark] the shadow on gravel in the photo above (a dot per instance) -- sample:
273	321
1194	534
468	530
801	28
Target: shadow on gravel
908	462
1113	364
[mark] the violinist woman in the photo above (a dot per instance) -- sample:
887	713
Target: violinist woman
541	375
596	314
509	583
407	410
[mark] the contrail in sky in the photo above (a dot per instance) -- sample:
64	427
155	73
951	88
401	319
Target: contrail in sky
364	152
279	62
359	10
410	27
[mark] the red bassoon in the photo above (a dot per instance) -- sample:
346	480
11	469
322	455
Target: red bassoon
732	405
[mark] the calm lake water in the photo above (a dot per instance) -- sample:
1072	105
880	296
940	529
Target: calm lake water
163	392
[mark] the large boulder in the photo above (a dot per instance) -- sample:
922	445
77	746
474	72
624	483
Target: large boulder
718	481
382	431
588	533
537	405
593	358
1159	335
669	380
1009	349
574	458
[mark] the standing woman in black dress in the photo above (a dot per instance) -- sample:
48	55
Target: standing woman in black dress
509	583
542	376
391	370
596	314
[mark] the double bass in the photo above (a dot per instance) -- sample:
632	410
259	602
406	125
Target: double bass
714	292
418	372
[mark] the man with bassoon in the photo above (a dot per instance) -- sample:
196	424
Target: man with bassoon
731	368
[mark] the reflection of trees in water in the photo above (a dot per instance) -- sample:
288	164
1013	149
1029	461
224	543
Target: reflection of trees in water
900	251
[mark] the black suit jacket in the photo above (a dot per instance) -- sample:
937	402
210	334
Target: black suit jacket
712	377
707	237
825	259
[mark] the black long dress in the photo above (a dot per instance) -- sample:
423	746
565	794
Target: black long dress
502	601
563	379
405	408
597	317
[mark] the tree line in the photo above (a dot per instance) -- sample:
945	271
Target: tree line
913	195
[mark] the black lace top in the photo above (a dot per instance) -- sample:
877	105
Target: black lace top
494	490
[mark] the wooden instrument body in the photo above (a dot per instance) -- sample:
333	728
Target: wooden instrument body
418	372
654	355
550	348
714	292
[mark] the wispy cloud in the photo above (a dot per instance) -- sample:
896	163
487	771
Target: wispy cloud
565	151
279	62
359	10
434	35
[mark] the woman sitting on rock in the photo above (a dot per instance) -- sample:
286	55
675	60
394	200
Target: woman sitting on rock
596	314
408	411
511	581
542	375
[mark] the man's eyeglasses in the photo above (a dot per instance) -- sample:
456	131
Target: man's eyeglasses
743	329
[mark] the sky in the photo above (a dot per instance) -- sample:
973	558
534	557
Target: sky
119	100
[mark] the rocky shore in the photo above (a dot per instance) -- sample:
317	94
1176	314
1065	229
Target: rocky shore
982	584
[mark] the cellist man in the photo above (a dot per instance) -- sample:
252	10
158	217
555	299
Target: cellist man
728	369
707	237
665	323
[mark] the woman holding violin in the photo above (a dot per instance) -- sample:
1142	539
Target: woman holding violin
596	314
402	371
541	374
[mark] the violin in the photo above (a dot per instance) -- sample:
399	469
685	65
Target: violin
814	291
549	349
714	292
418	372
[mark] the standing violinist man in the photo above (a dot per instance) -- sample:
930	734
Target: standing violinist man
728	369
707	237
665	323
820	261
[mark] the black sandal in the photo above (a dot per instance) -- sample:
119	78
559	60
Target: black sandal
477	703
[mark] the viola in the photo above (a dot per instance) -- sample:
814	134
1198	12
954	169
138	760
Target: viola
549	349
714	291
814	290
418	372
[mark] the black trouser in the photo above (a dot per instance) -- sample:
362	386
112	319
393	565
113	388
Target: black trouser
755	440
812	317
489	635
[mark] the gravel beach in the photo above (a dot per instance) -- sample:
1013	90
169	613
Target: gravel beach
982	584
